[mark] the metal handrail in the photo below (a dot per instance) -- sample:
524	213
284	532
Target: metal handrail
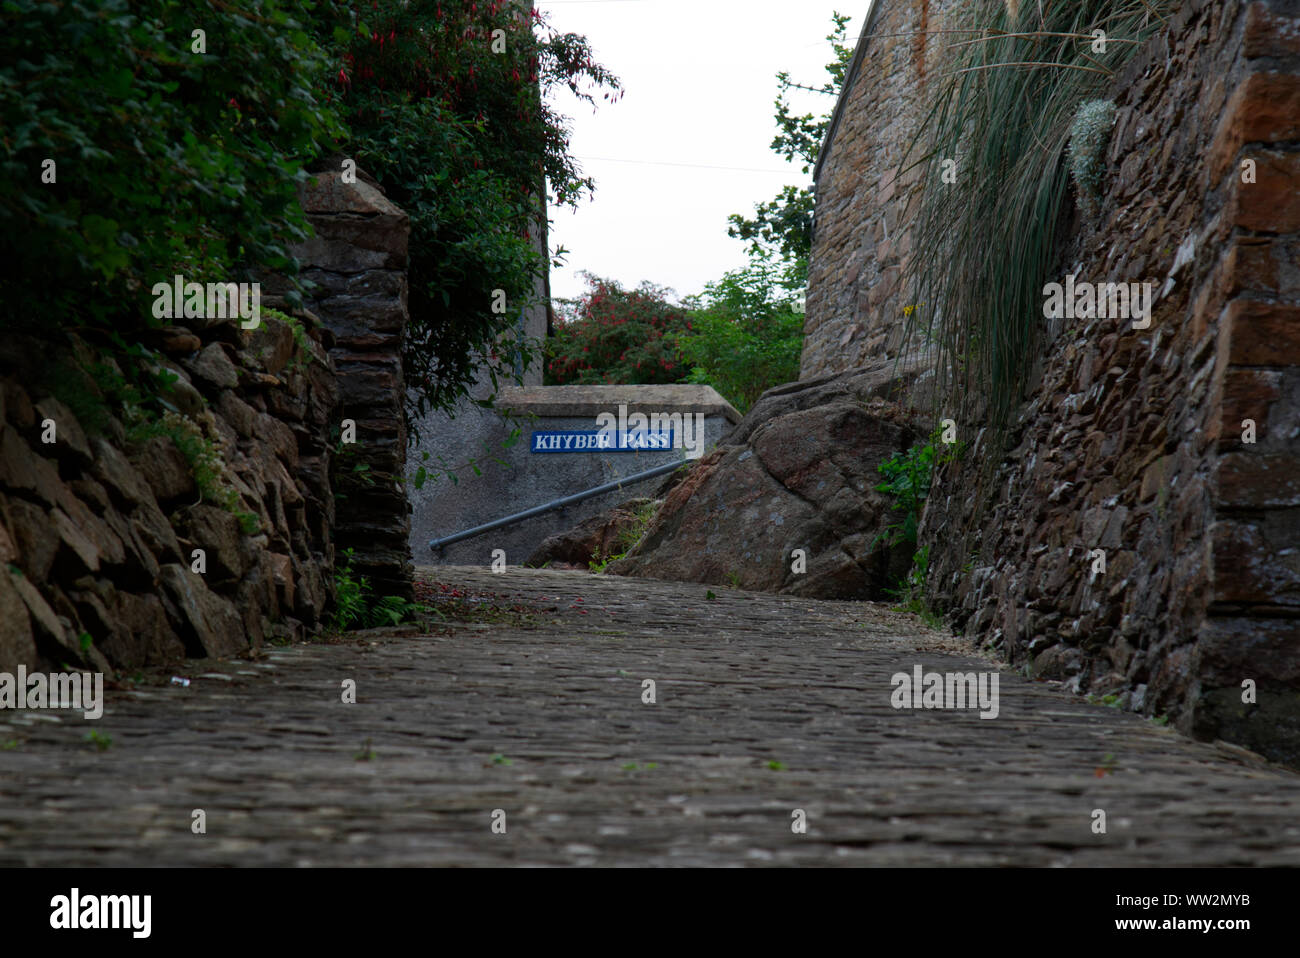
436	545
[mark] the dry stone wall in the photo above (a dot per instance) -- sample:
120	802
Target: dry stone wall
101	516
100	519
1172	449
358	262
1137	442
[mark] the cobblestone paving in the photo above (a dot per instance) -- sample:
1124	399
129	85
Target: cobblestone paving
545	722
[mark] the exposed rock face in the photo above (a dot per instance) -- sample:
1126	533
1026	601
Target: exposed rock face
798	473
597	538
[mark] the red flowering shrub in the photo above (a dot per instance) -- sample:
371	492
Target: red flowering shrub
616	335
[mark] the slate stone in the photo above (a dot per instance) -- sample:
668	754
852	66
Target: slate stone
211	622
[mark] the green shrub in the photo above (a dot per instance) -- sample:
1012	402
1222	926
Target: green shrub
464	138
167	160
355	605
907	479
746	331
170	160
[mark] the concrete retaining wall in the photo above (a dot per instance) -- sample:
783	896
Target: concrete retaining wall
523	478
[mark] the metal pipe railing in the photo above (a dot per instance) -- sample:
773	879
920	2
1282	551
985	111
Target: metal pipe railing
436	545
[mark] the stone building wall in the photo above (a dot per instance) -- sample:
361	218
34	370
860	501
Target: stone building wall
864	189
1132	440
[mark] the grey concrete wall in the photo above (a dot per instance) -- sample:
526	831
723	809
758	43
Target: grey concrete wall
524	479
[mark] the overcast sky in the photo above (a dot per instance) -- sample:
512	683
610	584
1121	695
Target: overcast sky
689	143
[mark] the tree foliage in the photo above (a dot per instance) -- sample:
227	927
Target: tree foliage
746	331
165	160
453	120
784	223
177	151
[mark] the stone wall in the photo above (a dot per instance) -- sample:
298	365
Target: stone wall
1132	441
101	516
101	512
865	189
358	262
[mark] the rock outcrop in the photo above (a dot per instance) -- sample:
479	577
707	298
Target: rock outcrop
595	539
797	473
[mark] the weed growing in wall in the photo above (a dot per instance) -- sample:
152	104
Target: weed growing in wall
907	477
627	537
357	607
1089	135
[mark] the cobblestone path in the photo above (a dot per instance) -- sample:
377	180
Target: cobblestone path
764	704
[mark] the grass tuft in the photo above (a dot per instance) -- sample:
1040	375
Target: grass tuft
984	245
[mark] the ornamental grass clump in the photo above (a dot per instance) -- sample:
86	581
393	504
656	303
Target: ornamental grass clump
1000	115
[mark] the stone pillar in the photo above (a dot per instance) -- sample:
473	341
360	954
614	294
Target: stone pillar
357	259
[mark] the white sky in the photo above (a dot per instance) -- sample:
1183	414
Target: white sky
699	79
